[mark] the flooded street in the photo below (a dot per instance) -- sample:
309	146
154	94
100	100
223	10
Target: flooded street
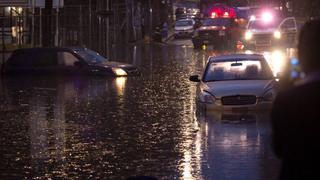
113	128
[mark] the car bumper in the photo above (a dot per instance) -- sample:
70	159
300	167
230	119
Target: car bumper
217	106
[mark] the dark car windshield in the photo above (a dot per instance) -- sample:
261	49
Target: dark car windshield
238	70
91	57
184	23
217	22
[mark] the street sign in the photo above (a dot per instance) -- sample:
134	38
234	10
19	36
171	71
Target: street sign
16	3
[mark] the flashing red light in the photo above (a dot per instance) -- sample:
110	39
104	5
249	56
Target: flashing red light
232	13
219	13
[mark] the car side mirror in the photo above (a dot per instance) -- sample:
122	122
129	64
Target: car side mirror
194	78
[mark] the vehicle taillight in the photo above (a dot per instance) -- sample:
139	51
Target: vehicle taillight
232	13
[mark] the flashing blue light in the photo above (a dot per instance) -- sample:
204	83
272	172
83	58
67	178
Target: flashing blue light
294	74
294	61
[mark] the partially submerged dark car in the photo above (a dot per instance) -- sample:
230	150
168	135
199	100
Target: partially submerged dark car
64	61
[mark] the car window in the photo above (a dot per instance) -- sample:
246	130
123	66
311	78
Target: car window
261	25
45	59
238	70
66	59
288	24
184	23
217	22
20	59
91	57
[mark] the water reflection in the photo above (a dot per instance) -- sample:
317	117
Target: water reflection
94	127
88	128
237	142
120	85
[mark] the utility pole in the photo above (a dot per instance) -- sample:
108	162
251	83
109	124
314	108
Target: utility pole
47	28
33	22
56	42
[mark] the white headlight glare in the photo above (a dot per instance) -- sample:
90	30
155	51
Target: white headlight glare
207	98
248	35
277	34
119	72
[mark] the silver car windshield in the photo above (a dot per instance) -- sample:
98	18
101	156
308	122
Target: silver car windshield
261	25
184	23
238	70
91	57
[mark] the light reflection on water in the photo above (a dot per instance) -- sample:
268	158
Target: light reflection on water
100	127
238	143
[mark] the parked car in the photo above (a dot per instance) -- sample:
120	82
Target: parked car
64	61
239	82
184	28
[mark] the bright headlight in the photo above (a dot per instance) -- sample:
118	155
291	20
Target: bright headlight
248	35
278	59
119	72
207	98
277	34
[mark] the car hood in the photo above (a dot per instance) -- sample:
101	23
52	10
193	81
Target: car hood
183	28
114	64
238	87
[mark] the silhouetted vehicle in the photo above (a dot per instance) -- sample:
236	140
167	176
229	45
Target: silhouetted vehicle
236	82
219	32
64	61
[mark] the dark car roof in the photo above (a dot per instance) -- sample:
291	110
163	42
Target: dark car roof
236	57
49	49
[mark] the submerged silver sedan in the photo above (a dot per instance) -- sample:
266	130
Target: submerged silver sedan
237	82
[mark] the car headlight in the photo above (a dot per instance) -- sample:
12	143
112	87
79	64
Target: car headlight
207	98
277	34
248	35
268	96
119	72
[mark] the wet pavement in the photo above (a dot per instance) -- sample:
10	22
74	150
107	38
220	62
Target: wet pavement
113	128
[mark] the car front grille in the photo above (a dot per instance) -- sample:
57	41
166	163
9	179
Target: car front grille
239	100
263	38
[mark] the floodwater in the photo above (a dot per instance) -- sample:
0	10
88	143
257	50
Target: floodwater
113	128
